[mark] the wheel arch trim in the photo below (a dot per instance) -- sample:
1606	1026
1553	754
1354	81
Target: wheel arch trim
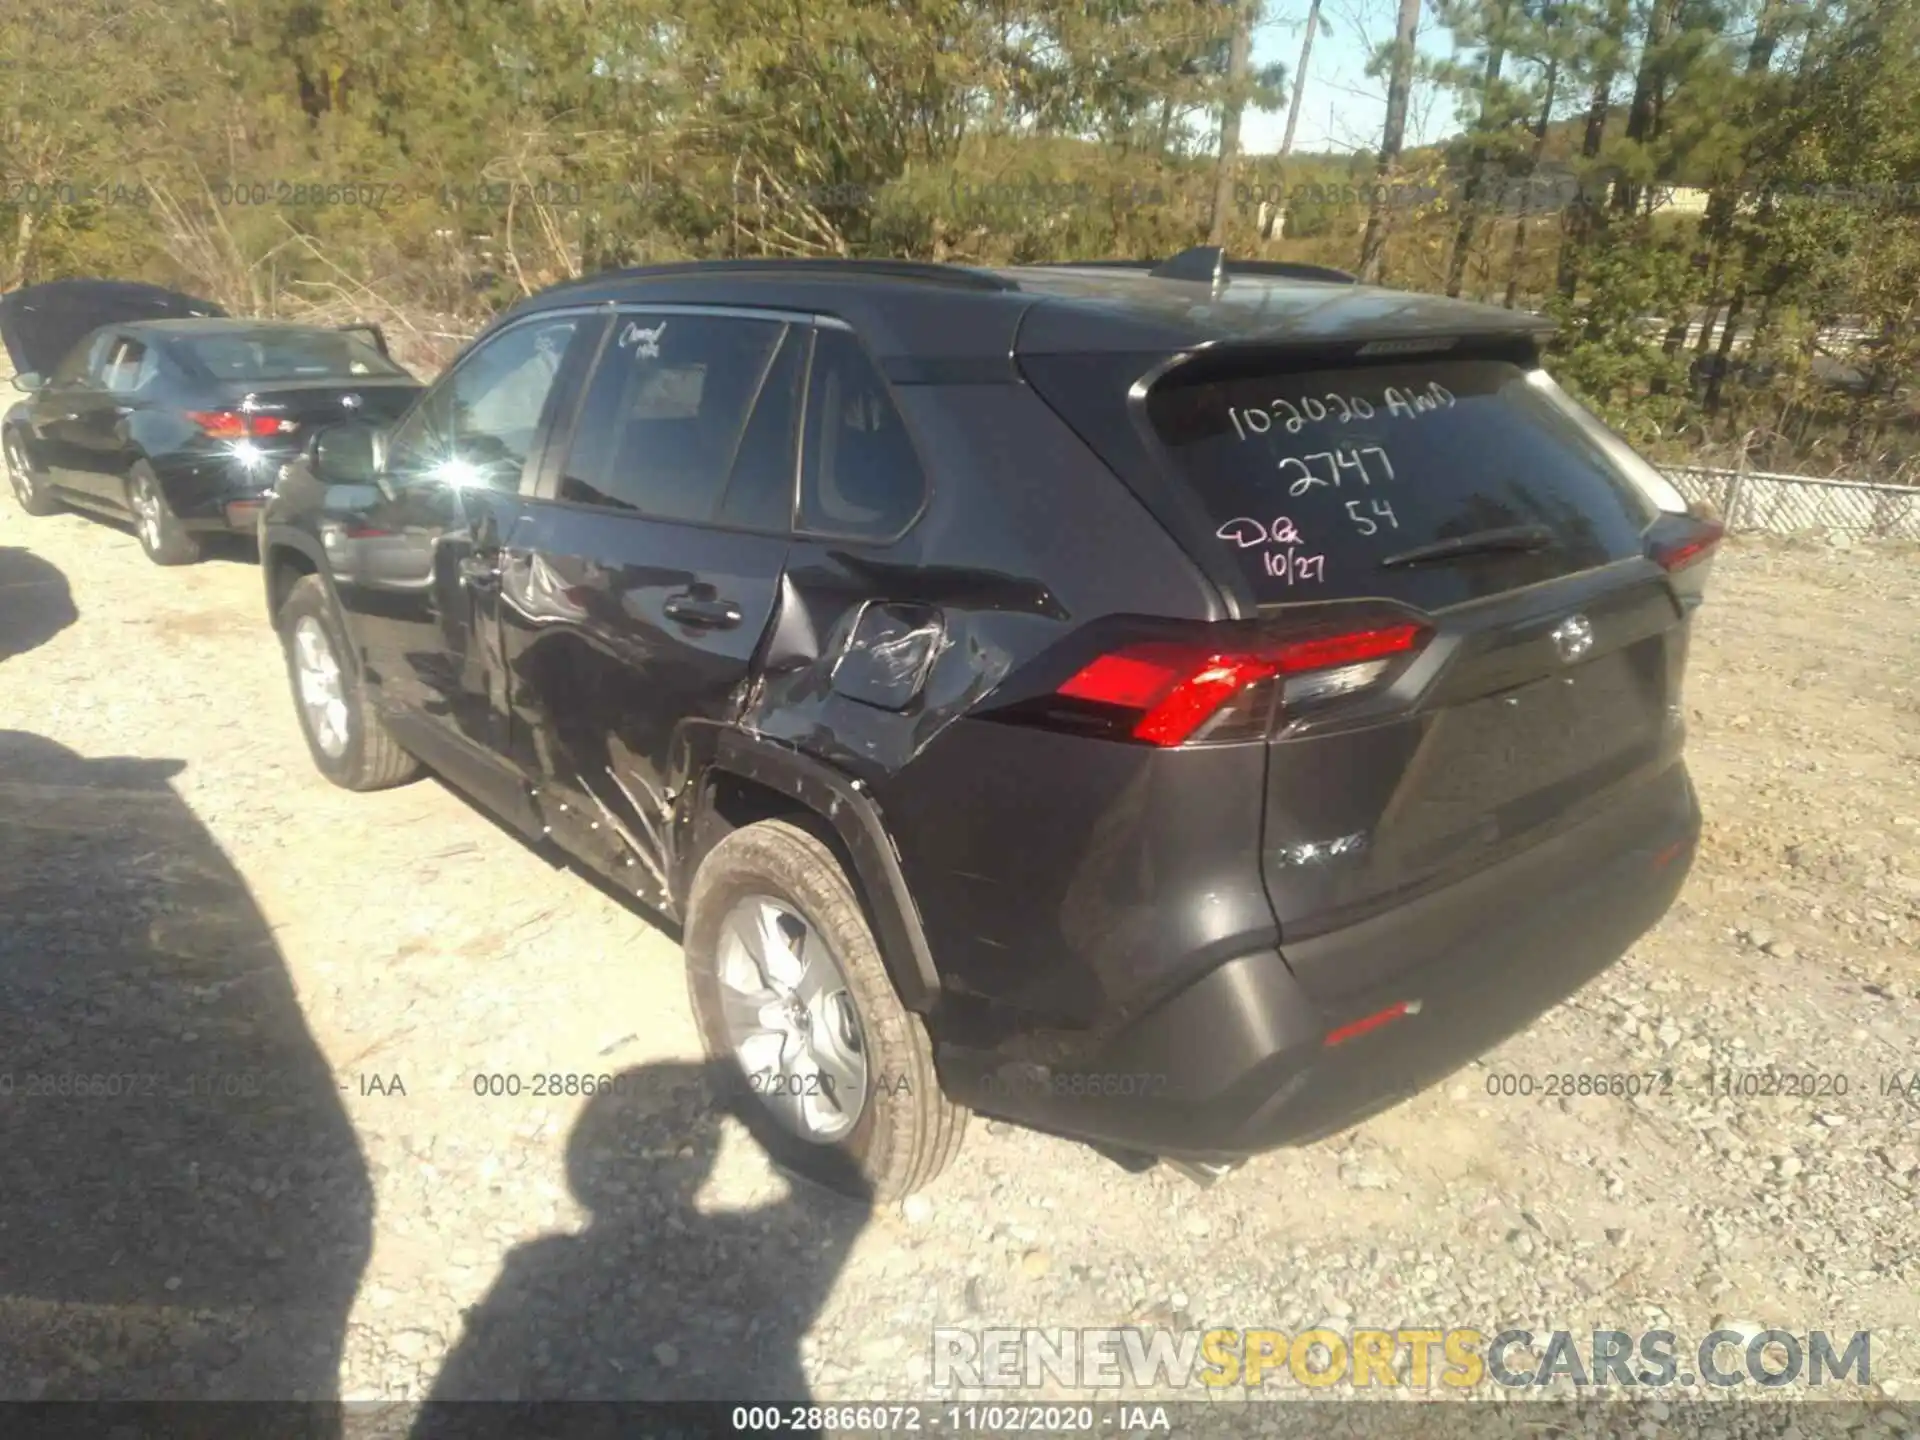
843	804
275	538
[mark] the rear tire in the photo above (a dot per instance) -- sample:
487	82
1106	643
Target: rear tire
905	1131
161	534
345	735
30	490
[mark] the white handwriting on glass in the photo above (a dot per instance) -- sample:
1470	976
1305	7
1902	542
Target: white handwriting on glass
645	343
1289	565
1370	526
1337	460
1247	532
1312	409
1434	396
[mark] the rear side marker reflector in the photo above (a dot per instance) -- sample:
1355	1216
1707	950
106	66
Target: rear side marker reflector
1695	547
1176	688
1369	1023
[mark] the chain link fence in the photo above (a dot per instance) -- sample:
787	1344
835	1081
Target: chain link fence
1755	500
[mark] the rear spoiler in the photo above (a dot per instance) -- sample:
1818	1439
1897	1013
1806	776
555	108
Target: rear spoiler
373	334
1209	265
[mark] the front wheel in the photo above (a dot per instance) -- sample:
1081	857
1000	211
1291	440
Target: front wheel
29	489
345	735
834	1075
161	534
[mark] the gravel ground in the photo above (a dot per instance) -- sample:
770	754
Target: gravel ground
295	1190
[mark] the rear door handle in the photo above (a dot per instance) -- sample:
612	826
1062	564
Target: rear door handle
707	614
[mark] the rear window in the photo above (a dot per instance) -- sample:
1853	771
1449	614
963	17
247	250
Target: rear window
1313	479
277	355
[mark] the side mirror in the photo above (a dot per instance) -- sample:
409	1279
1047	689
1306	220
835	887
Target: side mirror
29	381
349	453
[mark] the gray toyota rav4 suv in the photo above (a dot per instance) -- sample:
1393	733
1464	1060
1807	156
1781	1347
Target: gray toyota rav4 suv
1184	706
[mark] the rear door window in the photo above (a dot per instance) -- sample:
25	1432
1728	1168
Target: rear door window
129	366
666	414
1313	480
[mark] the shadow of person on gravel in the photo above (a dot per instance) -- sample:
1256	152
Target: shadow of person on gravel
653	1300
185	1212
35	601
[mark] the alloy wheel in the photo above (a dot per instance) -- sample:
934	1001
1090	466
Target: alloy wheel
323	697
18	473
146	513
791	1020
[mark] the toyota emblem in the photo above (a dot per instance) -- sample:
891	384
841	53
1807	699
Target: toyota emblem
1573	638
350	402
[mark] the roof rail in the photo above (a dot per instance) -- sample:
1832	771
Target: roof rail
926	271
1209	264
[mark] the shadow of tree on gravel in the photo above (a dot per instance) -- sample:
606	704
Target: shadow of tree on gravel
185	1212
36	603
653	1300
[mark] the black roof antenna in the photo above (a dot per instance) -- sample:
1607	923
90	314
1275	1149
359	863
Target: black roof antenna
1204	263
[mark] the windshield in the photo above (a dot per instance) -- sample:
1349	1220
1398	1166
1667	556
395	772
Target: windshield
289	355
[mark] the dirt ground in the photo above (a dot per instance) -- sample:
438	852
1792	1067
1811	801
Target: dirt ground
296	1186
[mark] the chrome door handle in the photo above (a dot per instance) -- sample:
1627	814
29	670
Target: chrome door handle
707	614
482	572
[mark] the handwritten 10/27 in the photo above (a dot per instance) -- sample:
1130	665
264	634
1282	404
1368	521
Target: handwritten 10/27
1290	563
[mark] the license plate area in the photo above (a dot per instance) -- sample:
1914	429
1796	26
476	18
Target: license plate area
1542	741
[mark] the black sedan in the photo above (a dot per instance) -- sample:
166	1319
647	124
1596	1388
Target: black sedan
179	423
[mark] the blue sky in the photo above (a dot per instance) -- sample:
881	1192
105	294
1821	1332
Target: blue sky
1343	110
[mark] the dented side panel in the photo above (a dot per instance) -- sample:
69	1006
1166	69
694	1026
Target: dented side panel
875	649
877	654
614	694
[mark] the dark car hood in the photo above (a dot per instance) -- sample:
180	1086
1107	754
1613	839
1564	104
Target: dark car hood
42	323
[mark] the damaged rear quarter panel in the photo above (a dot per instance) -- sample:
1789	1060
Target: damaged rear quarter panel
876	651
876	648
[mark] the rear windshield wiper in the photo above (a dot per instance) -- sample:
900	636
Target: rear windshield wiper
1481	542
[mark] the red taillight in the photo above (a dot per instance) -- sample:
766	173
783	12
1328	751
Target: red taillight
1679	554
1348	649
1177	688
240	424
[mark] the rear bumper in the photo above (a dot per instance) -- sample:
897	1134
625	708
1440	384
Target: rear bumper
221	494
1236	1063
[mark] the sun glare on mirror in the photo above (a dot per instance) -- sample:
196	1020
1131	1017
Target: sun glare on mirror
457	472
